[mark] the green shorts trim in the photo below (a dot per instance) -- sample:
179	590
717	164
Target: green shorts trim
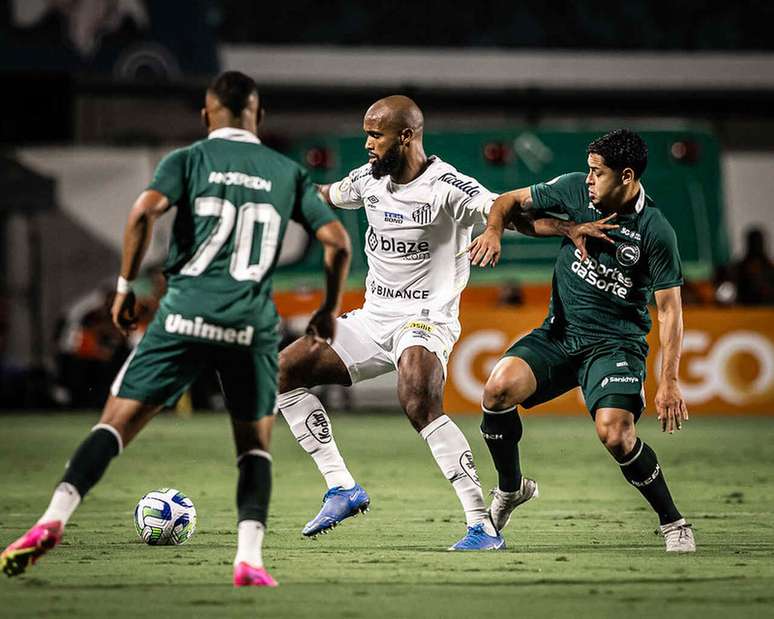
628	402
163	366
615	368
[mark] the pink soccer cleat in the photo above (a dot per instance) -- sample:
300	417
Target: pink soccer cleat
245	575
30	547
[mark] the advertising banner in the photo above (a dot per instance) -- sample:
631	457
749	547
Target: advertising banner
727	364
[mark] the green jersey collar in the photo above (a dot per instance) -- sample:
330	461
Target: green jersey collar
232	133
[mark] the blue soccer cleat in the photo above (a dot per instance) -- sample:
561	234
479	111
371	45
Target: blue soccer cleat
478	539
338	504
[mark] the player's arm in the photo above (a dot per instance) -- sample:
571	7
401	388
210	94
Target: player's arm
325	192
533	223
515	207
337	253
670	404
148	207
485	248
345	193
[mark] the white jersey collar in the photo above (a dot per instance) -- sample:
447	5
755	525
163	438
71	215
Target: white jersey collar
640	200
232	133
430	161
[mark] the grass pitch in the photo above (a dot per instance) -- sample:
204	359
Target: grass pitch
585	548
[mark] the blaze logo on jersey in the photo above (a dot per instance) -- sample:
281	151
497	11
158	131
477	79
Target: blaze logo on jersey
408	250
422	215
627	254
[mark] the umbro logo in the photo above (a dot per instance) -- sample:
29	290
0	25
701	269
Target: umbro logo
372	201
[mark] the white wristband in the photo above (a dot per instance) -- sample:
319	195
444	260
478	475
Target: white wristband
123	286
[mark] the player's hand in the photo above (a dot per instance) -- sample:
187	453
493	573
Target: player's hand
322	327
670	406
124	312
485	248
596	229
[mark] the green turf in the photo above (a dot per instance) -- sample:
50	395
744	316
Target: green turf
585	548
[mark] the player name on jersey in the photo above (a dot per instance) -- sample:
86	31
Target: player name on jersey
241	179
197	327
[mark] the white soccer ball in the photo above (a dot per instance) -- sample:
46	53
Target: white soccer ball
165	517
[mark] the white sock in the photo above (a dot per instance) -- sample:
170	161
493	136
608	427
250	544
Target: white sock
311	426
250	541
63	503
452	453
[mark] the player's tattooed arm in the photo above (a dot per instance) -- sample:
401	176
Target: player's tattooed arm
670	404
148	207
532	223
485	248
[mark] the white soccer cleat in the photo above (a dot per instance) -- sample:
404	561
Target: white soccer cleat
678	536
503	503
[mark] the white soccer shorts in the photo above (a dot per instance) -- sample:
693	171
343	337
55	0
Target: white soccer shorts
371	345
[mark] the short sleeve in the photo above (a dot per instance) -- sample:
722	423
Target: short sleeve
169	177
663	256
348	192
311	211
467	200
565	194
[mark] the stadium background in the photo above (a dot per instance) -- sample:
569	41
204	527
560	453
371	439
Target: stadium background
96	91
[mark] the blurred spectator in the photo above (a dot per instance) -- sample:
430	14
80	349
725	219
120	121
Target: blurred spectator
751	280
511	294
90	350
691	293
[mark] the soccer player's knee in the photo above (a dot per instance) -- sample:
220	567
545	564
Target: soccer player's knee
499	393
617	436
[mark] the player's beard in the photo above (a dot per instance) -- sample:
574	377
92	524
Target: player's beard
389	163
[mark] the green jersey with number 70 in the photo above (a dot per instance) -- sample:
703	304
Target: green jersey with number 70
606	295
234	198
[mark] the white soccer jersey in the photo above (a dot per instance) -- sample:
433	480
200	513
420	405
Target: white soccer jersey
415	234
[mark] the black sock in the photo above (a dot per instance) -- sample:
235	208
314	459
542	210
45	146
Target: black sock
254	486
91	459
502	432
641	469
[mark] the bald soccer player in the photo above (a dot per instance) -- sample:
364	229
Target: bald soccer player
420	212
217	312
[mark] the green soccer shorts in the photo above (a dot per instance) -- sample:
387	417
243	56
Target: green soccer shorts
610	374
163	366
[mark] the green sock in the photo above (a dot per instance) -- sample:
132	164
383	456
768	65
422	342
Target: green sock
502	431
641	469
91	459
254	486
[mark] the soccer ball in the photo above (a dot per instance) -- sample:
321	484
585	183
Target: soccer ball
165	517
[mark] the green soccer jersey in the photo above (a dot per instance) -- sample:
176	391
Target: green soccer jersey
607	294
234	199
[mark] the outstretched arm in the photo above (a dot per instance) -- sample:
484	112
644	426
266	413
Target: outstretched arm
528	223
148	207
670	404
485	248
337	253
514	207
